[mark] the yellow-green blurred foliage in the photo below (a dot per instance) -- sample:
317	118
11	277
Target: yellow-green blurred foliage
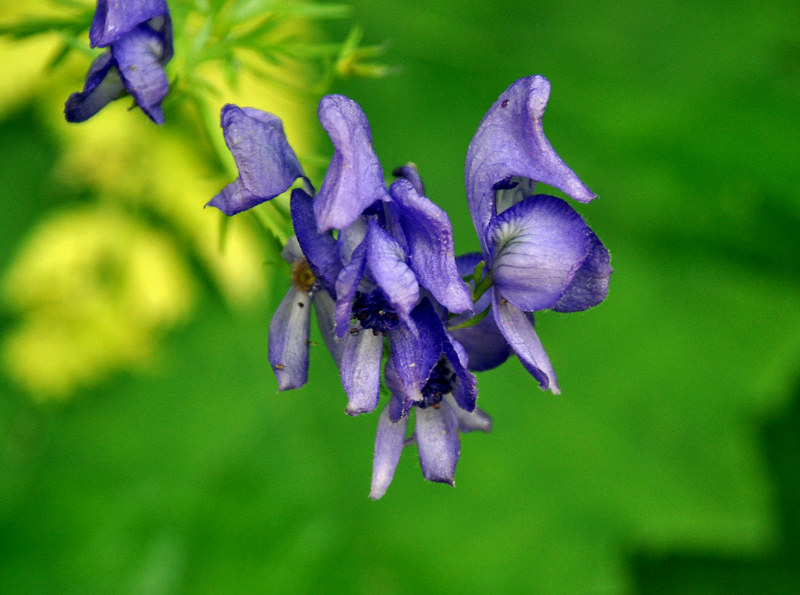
95	285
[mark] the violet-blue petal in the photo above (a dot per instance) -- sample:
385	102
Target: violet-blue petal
266	162
465	387
414	354
288	340
485	345
510	142
389	440
429	235
320	249
409	172
354	179
537	246
518	330
436	434
235	198
589	286
469	421
103	85
346	286
138	55
360	370
387	265
115	18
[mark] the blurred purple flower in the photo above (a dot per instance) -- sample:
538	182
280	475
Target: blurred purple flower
139	34
538	251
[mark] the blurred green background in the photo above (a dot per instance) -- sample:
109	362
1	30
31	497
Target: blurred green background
670	463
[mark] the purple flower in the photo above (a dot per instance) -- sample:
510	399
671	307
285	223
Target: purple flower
266	162
426	372
538	252
139	34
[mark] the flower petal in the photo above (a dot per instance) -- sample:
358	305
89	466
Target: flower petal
235	198
138	55
320	249
510	142
470	421
114	19
360	370
103	85
429	235
389	440
436	434
520	334
537	246
390	271
266	162
409	172
288	340
354	179
346	286
589	286
324	307
413	356
465	387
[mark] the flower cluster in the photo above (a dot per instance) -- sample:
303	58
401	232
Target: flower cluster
377	265
138	36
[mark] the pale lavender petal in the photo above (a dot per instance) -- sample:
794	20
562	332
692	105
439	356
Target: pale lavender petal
589	287
510	142
320	249
387	266
138	55
360	370
389	441
115	18
346	286
103	85
288	340
291	252
429	235
470	421
436	433
324	307
537	247
518	330
354	179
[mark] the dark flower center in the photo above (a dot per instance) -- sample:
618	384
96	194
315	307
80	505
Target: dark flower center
373	311
440	383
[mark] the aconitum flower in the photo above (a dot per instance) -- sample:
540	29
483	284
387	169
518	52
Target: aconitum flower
266	162
538	252
442	394
139	37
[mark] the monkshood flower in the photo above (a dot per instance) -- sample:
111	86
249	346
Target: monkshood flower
138	34
391	244
395	245
539	253
442	394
